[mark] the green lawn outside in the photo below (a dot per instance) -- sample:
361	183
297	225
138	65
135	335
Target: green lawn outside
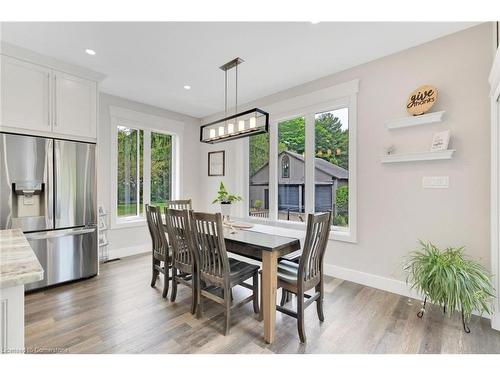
131	209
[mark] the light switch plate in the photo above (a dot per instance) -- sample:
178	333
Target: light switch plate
435	182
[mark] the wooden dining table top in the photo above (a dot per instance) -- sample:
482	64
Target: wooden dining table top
252	243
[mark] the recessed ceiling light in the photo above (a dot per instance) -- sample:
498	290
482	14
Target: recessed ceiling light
187	87
89	51
315	22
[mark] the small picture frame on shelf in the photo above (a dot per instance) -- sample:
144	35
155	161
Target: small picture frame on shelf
102	223
103	240
440	141
102	211
216	163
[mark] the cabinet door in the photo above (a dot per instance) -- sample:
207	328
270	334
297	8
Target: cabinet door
75	106
25	95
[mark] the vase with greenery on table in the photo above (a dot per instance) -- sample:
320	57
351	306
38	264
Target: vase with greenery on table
225	199
450	280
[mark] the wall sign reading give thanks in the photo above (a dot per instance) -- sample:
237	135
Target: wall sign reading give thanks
421	100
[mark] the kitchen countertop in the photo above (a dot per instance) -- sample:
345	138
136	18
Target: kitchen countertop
18	263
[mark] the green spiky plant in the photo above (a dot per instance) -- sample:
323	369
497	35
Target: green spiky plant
224	197
448	279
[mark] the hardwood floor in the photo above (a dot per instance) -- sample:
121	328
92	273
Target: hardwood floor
118	312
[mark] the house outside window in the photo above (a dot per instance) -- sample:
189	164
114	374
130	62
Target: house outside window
285	166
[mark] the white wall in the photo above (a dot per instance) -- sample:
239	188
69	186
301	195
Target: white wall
127	241
393	208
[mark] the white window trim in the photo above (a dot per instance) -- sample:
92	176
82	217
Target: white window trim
150	124
335	97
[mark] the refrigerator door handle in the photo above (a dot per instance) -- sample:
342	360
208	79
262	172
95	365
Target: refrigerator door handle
60	233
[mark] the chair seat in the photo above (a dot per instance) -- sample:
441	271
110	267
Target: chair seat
288	271
293	257
239	268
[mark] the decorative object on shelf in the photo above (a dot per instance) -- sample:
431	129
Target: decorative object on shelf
103	240
216	163
389	150
417	156
421	100
243	124
225	199
450	280
408	121
440	141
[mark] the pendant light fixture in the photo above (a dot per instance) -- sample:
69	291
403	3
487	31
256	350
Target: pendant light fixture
243	124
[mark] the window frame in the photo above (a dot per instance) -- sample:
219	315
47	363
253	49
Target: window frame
341	96
149	124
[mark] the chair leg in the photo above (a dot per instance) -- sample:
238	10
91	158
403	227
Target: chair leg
255	291
284	297
227	312
199	300
194	294
300	316
261	314
319	302
173	295
155	272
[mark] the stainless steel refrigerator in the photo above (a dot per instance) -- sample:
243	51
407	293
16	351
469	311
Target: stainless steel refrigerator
48	189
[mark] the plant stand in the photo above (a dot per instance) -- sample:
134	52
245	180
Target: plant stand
421	313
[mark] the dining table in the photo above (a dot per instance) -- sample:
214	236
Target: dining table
267	247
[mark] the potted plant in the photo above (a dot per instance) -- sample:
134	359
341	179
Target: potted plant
450	280
225	199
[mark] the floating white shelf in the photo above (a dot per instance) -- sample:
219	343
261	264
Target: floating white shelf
418	156
428	118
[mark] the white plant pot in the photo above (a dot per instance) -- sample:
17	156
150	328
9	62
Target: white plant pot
225	209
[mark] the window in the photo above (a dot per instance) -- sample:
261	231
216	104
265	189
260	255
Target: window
132	179
331	172
129	183
309	162
259	175
161	169
285	166
291	185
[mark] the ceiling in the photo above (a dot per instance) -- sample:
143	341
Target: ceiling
150	62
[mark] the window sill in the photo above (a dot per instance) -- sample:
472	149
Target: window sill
120	223
335	234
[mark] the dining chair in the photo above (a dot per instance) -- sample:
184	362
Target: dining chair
217	271
178	223
298	278
180	204
160	253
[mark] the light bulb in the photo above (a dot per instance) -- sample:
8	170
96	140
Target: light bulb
230	128
241	125
252	122
221	131
212	133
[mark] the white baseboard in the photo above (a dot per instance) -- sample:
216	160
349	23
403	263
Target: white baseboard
128	251
371	280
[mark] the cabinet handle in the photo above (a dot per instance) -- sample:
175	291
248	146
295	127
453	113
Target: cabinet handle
48	100
55	101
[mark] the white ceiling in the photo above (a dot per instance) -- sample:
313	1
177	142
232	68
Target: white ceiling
151	62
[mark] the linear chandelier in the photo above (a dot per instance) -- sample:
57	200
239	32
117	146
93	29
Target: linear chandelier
243	124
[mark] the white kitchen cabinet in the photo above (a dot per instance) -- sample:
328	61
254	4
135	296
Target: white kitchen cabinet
75	105
41	100
25	95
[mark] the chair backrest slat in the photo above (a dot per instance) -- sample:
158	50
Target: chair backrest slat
311	260
180	204
209	242
178	223
157	230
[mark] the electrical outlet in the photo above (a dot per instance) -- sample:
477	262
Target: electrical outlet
435	182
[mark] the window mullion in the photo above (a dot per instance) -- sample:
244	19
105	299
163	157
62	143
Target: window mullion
146	167
309	163
273	172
